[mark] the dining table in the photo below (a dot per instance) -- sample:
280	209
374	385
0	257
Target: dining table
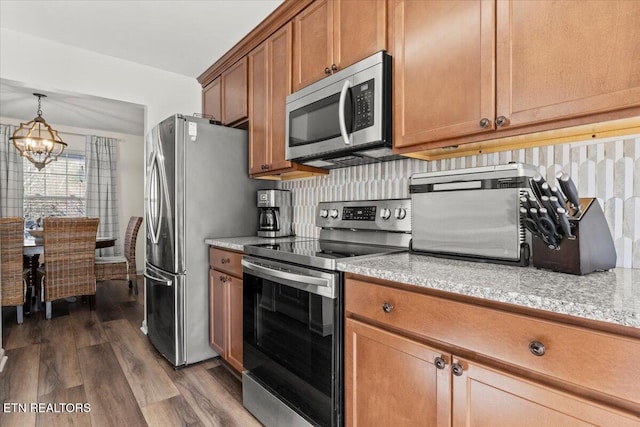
33	248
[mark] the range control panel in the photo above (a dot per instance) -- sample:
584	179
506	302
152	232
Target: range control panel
387	215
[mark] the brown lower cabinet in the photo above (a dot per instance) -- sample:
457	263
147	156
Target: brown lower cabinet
401	368
225	305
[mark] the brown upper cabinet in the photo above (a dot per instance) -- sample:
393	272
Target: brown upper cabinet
331	35
466	69
225	98
269	85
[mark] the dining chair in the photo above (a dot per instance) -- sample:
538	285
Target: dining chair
122	267
69	258
12	273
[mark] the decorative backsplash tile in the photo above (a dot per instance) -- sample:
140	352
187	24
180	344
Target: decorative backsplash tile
608	169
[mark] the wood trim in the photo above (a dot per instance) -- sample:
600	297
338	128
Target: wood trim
296	171
283	14
621	122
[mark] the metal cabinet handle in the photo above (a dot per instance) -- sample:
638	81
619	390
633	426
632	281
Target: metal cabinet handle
537	348
223	279
264	167
386	307
457	369
439	362
485	123
225	260
501	121
334	67
327	70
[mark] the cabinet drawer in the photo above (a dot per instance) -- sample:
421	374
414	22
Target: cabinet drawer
596	360
226	261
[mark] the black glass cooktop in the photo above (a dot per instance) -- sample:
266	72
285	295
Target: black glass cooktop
316	252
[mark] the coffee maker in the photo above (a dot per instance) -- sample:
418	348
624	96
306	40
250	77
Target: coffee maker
276	213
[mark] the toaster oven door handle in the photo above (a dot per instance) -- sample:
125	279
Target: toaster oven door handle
341	119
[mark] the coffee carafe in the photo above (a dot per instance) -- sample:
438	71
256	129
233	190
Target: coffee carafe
276	213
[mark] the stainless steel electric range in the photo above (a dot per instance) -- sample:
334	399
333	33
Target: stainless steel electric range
293	311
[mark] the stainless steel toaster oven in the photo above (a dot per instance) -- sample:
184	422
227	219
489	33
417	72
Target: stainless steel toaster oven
471	213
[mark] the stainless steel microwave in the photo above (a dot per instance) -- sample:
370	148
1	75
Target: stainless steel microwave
344	119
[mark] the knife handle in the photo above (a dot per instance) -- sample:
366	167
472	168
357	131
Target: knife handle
564	223
536	185
555	191
546	190
570	190
546	203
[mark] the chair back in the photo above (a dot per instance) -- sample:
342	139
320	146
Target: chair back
11	243
130	241
69	256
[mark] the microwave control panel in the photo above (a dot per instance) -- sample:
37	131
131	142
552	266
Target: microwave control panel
363	95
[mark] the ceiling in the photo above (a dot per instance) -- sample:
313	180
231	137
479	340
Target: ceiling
183	37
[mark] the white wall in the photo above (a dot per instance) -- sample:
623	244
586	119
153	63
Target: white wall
53	66
57	67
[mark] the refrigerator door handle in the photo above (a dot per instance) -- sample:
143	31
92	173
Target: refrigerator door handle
153	219
156	279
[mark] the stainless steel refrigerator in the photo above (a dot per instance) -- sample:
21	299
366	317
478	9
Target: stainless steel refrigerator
196	186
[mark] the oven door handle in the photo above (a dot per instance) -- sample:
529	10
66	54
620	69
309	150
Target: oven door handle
314	285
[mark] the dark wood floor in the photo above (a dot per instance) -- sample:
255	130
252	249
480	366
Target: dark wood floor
101	358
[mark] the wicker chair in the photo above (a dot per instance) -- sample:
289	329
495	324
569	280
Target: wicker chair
122	267
12	274
69	257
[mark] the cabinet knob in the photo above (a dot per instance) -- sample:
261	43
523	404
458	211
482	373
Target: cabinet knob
501	121
327	70
457	370
334	67
225	260
223	279
485	123
264	167
537	348
439	362
386	307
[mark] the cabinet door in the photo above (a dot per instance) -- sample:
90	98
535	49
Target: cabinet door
483	396
566	59
313	45
212	99
234	92
279	65
258	110
359	30
443	69
391	380
217	311
234	321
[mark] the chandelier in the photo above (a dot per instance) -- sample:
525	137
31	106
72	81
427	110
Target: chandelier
37	141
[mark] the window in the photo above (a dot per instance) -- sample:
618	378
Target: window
59	189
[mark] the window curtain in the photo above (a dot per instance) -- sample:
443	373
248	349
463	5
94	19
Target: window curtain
11	179
102	188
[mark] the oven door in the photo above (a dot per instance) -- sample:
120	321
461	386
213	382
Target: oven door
292	330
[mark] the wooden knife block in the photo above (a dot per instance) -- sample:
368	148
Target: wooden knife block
591	250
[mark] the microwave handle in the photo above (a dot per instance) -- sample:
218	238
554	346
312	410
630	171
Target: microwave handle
341	121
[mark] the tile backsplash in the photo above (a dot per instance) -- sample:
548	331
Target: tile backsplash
608	169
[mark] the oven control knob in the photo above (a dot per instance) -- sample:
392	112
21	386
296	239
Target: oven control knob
324	213
400	213
385	213
333	213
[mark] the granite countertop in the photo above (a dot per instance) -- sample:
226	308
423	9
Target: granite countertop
610	296
237	243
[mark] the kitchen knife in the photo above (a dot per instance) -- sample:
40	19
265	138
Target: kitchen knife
536	185
569	189
546	189
546	203
555	191
563	220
